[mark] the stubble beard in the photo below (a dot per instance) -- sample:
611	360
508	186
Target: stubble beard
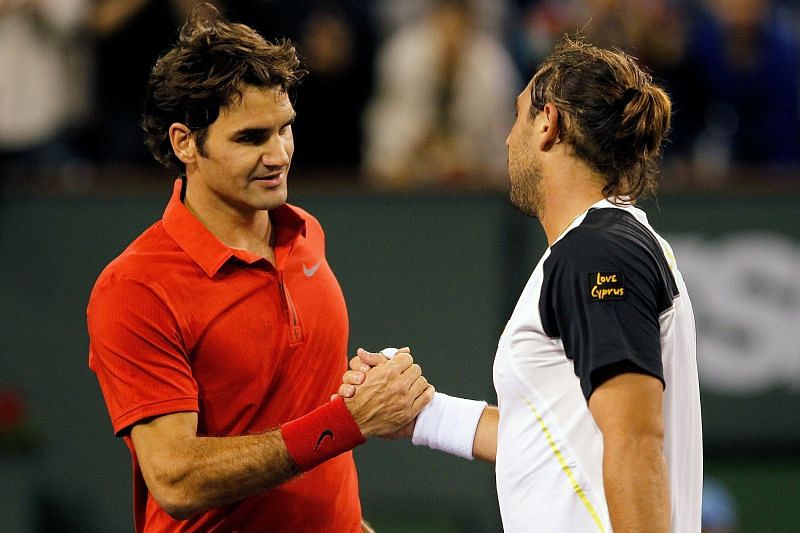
525	192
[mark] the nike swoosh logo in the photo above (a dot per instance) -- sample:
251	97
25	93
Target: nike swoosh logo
326	433
310	271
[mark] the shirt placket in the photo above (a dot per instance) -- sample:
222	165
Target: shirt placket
295	330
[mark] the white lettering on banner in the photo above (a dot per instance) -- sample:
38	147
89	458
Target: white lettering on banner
745	290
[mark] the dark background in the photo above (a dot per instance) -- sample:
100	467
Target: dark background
437	272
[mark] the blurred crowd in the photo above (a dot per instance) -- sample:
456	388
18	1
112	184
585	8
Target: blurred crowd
406	94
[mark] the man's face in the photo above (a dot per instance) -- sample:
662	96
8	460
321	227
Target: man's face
524	169
248	151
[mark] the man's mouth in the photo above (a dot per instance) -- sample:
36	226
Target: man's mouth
270	179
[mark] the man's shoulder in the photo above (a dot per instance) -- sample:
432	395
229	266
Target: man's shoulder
613	241
144	257
589	238
605	228
606	235
608	221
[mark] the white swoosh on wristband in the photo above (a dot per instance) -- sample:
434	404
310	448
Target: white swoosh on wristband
310	271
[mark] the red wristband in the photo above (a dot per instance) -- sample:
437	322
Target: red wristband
322	434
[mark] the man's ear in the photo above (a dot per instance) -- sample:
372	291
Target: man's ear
182	143
550	127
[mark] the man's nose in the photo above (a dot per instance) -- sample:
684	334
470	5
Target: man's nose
276	152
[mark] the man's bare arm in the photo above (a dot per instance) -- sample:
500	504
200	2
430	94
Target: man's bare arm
188	474
628	411
484	446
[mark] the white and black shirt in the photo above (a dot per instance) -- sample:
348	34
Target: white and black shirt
605	298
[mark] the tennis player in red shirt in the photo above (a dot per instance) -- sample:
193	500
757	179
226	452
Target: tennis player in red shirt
219	334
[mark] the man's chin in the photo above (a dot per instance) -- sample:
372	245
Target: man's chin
274	200
266	206
526	208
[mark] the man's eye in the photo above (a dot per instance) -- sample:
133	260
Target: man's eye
251	138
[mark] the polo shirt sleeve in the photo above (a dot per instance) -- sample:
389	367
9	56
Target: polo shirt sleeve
602	299
135	349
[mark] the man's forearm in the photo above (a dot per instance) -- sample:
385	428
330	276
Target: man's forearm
484	446
187	474
636	485
206	472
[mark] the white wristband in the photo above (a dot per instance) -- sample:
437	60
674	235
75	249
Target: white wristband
448	424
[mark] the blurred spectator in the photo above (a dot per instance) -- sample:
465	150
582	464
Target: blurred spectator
336	45
43	90
747	72
730	66
443	104
391	15
438	94
624	24
719	508
129	36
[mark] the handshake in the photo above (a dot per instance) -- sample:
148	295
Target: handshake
385	392
388	396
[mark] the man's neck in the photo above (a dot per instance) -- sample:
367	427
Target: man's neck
250	231
567	193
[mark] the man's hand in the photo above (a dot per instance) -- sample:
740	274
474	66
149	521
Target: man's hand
359	366
380	395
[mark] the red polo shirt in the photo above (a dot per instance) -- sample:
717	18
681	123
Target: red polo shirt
181	322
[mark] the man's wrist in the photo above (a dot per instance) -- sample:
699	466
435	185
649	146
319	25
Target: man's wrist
322	434
449	423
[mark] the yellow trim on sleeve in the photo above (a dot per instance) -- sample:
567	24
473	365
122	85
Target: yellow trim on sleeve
667	249
562	461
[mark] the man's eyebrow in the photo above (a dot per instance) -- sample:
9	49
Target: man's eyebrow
290	121
251	131
261	131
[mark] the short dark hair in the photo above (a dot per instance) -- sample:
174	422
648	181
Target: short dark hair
613	115
204	72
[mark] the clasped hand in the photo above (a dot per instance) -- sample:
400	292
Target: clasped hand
385	396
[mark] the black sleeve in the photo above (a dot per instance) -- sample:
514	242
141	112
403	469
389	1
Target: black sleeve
603	297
